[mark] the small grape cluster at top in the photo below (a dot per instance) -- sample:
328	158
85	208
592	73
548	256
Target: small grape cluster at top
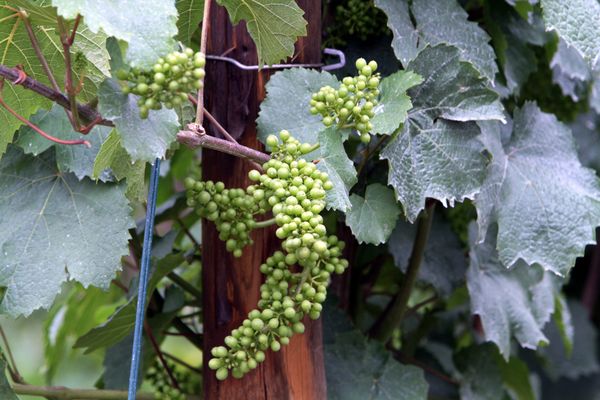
353	103
169	82
296	277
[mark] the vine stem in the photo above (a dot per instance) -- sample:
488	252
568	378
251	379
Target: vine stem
63	393
203	40
265	223
160	355
66	41
36	128
15	375
391	317
185	285
87	112
194	138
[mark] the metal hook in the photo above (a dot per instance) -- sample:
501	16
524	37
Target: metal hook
334	52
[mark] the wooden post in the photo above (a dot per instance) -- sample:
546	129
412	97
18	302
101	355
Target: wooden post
231	286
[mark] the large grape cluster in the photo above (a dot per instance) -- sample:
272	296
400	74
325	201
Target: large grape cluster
169	81
353	103
360	18
232	211
296	277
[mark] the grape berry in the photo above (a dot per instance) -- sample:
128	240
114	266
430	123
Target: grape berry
352	104
296	277
169	81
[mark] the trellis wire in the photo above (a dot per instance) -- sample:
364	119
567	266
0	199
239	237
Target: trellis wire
325	67
143	282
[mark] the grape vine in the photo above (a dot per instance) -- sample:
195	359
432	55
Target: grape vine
296	277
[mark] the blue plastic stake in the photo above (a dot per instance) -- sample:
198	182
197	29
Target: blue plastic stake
143	282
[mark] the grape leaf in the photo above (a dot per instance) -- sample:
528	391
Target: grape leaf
516	378
406	37
83	309
149	33
434	156
144	139
394	103
190	14
535	173
6	391
113	158
16	49
481	377
273	24
577	22
582	360
444	262
287	104
335	162
121	322
570	71
439	22
510	302
373	373
373	217
55	228
77	159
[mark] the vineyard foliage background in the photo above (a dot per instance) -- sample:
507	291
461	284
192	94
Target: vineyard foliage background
466	216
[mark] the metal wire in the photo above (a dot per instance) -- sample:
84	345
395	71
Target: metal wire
143	282
334	52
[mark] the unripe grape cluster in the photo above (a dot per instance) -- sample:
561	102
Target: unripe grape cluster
296	277
159	379
232	211
353	103
169	81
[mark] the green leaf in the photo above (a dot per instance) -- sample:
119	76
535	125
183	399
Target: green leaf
54	228
114	158
406	37
373	217
438	22
564	324
83	309
115	329
144	139
433	156
515	375
274	25
394	103
582	360
287	104
149	33
78	159
443	161
570	71
6	392
190	14
510	302
373	373
16	49
481	376
335	162
577	22
444	262
121	322
534	174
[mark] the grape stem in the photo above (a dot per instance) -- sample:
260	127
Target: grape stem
36	128
392	316
203	40
265	223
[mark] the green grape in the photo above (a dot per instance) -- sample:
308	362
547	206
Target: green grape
187	381
295	190
168	82
352	104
